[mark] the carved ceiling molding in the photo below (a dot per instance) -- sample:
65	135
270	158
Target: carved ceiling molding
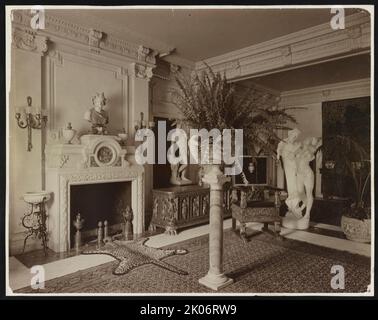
29	40
336	91
161	77
316	43
96	40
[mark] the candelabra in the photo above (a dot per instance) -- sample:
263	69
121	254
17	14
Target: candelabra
141	124
35	121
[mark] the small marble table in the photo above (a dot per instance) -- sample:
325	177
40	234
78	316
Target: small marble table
35	220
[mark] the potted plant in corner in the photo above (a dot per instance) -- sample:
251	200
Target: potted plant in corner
355	160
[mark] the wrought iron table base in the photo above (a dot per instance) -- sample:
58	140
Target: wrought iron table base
35	223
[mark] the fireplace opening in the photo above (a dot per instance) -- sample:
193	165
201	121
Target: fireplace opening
98	202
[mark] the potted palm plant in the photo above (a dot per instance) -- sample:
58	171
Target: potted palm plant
207	100
354	159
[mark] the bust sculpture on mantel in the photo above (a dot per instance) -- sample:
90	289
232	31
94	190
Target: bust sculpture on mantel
97	116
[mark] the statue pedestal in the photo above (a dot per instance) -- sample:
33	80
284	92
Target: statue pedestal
291	222
215	278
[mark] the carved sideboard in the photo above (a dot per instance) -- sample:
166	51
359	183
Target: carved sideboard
182	206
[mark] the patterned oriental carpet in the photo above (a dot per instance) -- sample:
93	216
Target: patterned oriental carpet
262	265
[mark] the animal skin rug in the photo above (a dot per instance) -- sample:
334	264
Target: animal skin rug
132	254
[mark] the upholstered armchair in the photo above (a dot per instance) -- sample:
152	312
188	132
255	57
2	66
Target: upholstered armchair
246	208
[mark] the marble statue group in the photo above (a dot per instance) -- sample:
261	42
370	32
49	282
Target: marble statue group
296	157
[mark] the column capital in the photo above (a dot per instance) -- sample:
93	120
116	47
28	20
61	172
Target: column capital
146	54
141	71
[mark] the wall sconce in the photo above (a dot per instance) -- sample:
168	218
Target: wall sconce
141	124
35	121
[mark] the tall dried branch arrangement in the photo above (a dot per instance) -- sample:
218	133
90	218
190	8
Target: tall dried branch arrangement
207	100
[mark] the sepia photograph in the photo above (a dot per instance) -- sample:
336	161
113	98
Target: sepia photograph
189	151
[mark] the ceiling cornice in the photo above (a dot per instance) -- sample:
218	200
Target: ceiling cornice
125	33
329	92
60	30
311	44
175	59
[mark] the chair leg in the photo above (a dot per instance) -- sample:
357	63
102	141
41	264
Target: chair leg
243	232
277	227
233	223
277	230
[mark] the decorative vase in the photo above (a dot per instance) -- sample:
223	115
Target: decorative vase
356	229
123	136
68	133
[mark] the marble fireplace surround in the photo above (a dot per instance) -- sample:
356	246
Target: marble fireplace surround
68	165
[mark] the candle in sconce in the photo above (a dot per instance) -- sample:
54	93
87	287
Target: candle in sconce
143	122
151	124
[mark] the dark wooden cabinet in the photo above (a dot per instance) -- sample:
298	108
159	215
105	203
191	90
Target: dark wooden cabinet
182	206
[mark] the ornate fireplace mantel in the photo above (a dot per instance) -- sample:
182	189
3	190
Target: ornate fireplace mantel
98	159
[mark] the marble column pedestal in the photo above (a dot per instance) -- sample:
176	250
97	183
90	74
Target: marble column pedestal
215	278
